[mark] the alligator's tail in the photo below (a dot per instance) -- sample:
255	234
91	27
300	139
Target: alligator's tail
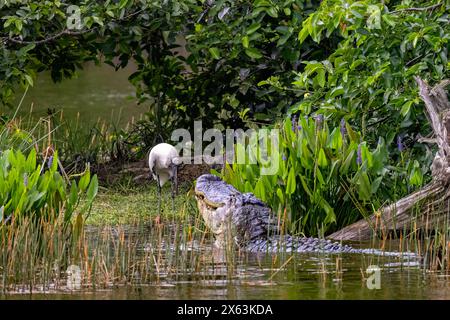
315	245
378	252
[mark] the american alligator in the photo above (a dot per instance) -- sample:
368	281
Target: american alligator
246	221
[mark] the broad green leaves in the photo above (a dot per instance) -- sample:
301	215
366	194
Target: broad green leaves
371	83
28	188
319	174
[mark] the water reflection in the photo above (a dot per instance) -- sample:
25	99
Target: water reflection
214	274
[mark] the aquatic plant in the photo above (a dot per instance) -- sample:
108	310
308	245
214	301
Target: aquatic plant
326	179
32	189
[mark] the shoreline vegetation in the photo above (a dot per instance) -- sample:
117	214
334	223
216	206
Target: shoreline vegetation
357	89
108	239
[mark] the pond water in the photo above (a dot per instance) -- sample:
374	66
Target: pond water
266	276
96	92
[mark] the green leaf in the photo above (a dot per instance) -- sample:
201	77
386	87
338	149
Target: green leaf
330	215
18	24
337	92
374	20
321	77
123	4
366	155
347	162
322	159
272	11
305	186
253	28
280	195
416	177
93	189
215	53
406	107
291	184
303	34
253	53
364	187
389	20
84	181
8	22
245	42
376	184
336	139
29	79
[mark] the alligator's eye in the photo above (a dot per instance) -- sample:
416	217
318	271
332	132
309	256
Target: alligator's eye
199	197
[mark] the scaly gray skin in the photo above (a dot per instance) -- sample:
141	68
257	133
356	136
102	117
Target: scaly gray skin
245	220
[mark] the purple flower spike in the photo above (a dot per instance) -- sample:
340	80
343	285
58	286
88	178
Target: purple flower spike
400	145
294	122
50	162
319	120
359	156
343	128
283	157
299	128
25	180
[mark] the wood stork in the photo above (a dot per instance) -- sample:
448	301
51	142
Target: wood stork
163	161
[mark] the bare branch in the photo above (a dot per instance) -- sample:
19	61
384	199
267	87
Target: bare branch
440	85
427	140
434	113
49	39
434	6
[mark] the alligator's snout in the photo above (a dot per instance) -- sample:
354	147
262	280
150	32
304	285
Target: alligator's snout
212	194
231	215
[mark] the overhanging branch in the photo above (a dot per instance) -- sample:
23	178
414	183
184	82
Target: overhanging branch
434	6
17	40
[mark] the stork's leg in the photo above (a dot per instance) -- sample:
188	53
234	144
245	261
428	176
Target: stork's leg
175	177
173	188
174	184
159	194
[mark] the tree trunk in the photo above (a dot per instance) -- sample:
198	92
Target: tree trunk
429	206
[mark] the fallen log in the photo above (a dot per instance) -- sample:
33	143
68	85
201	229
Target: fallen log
428	206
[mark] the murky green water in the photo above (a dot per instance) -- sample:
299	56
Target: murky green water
299	284
265	276
96	92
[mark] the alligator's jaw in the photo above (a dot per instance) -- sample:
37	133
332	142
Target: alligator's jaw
214	201
213	219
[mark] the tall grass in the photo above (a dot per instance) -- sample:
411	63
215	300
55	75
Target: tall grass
426	233
37	255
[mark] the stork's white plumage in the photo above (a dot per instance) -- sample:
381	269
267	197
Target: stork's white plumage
163	161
